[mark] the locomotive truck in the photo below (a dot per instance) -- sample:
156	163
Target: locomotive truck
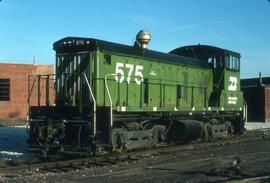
110	96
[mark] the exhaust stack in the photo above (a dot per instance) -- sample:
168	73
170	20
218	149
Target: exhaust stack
142	39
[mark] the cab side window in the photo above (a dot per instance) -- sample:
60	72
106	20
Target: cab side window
213	62
216	62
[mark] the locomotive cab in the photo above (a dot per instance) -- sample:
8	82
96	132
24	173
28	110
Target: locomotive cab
225	65
225	96
226	80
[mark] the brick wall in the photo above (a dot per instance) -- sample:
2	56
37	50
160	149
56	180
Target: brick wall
16	107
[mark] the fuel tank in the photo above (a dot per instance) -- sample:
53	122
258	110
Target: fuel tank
184	130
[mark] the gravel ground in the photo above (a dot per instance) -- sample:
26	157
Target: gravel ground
256	125
210	164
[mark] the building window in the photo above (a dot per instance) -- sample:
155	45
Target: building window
4	89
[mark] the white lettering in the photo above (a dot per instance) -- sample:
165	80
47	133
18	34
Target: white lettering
138	73
119	72
130	67
120	75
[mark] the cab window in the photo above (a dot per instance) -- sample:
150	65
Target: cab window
232	63
216	62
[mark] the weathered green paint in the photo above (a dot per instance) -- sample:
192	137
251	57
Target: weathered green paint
157	92
162	87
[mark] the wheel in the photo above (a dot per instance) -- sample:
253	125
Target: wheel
119	142
208	134
229	128
159	135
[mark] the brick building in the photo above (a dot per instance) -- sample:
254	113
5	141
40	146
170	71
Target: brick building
16	80
257	96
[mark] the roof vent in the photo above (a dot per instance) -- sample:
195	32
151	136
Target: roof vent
142	39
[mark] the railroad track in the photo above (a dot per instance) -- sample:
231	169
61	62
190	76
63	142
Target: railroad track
9	168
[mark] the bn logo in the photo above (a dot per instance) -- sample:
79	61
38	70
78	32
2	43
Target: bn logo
232	83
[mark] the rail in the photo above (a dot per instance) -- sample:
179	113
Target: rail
111	107
12	167
110	98
220	79
245	112
192	86
95	105
31	88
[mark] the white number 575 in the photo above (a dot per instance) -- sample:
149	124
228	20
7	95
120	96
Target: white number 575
120	75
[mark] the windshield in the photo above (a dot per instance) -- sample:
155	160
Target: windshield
232	63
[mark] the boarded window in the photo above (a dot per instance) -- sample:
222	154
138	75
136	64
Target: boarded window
4	89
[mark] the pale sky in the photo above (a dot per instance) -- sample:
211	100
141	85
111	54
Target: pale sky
29	28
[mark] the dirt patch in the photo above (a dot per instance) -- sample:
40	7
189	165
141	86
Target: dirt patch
223	162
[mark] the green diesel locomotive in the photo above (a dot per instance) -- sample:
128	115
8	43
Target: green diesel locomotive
114	96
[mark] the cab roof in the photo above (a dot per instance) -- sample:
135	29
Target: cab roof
183	55
202	51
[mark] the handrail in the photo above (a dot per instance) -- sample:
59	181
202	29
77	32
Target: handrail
110	98
245	111
111	108
219	82
95	105
33	84
30	92
220	79
29	95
